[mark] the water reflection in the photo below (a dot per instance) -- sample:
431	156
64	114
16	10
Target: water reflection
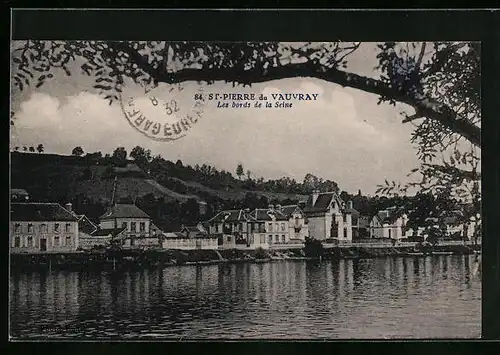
387	297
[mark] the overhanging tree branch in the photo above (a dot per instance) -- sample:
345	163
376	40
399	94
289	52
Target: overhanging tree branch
425	107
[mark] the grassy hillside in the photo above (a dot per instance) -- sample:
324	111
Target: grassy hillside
51	177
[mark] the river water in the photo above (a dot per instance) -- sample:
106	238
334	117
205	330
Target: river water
393	297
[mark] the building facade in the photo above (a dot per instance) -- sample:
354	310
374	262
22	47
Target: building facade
298	228
389	224
136	224
327	217
238	227
42	228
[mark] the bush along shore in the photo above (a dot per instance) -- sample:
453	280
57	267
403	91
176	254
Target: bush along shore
138	259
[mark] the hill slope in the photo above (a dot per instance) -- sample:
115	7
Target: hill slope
51	177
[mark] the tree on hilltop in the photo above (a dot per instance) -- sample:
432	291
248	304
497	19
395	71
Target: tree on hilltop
77	151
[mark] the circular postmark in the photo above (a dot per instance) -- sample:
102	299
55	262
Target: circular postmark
165	113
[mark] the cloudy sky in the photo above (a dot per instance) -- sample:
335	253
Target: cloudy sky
343	136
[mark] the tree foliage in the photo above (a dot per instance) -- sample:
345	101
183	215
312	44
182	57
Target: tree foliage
78	151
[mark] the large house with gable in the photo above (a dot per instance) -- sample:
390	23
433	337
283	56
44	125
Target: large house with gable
328	217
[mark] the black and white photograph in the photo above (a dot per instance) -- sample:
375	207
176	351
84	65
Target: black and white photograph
190	190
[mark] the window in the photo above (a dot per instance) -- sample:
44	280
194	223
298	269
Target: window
283	227
270	227
283	238
30	228
68	241
30	241
143	236
68	227
277	238
142	226
270	239
17	242
229	238
124	225
17	228
390	233
43	228
56	241
56	227
132	227
262	239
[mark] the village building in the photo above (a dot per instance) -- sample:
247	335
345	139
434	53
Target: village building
359	223
328	217
298	229
456	226
190	237
238	227
389	224
42	228
276	224
136	223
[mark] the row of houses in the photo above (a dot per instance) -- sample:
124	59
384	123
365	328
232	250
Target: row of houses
50	227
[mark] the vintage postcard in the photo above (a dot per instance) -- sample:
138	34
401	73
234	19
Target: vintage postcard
181	190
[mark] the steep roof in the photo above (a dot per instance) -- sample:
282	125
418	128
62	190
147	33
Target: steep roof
124	211
230	216
389	215
323	202
85	225
289	210
265	214
35	211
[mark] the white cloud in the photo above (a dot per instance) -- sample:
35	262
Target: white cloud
342	136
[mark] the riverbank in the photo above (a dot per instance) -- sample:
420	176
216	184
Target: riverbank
133	259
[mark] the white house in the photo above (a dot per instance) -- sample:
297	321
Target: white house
328	217
42	227
389	224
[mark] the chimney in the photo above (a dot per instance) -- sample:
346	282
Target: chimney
302	204
315	196
247	210
271	207
69	206
278	207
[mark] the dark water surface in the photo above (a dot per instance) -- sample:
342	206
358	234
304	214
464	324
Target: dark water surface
394	297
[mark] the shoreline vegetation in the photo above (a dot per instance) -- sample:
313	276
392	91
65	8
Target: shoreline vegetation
140	259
